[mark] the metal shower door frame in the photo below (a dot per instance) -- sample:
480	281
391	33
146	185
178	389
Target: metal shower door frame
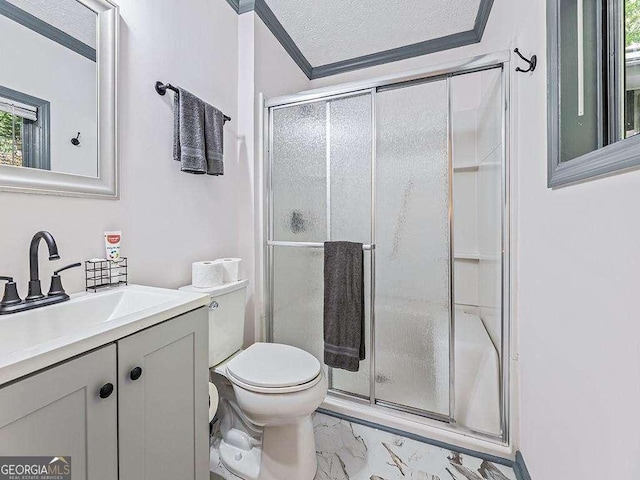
445	72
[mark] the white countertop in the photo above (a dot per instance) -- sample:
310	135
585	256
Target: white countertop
37	339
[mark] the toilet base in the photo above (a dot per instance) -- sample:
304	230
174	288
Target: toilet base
287	452
243	463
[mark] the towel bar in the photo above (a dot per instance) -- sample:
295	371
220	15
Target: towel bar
161	88
272	243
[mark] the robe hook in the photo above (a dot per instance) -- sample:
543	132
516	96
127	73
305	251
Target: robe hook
533	63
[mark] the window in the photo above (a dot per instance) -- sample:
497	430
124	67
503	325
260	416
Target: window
15	118
632	67
24	124
594	88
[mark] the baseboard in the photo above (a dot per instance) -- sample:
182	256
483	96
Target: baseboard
518	465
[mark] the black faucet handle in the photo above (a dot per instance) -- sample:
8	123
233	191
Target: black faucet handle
56	281
10	296
73	265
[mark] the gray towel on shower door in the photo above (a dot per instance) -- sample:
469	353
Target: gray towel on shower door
198	135
343	305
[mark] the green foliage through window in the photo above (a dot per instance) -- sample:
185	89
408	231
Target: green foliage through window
632	22
10	139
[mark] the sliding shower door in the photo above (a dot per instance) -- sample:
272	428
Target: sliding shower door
413	257
321	189
410	169
322	181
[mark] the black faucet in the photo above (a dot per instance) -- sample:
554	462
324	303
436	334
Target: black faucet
11	302
35	290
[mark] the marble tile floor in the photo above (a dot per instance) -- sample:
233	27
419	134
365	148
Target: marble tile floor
349	451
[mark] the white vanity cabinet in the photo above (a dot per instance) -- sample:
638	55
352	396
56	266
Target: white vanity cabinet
152	422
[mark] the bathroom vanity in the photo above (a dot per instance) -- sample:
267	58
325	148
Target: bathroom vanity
116	381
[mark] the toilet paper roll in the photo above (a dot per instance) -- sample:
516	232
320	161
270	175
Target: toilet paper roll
231	269
213	401
207	274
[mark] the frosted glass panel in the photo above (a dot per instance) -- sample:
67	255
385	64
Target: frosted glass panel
321	181
350	158
350	133
299	173
412	248
298	298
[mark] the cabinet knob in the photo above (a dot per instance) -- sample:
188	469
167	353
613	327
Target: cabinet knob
135	373
106	390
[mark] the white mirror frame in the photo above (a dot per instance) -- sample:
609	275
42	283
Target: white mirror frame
31	180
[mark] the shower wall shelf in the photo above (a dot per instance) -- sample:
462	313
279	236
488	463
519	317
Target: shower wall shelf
466	256
466	168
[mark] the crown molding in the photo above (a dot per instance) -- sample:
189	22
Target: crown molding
246	6
448	42
520	467
46	30
483	17
235	4
401	53
268	17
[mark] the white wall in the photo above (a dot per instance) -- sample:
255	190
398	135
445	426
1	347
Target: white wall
579	331
578	264
45	69
168	218
264	68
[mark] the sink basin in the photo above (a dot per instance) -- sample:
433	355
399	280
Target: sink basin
35	339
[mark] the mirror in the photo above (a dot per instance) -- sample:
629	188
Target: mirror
594	87
57	96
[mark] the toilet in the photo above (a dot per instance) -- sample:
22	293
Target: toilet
267	394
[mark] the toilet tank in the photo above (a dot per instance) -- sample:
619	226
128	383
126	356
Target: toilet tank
226	318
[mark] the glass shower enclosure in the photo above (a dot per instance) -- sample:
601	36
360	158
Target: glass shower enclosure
415	169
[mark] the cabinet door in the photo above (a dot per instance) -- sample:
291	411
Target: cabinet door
163	414
59	413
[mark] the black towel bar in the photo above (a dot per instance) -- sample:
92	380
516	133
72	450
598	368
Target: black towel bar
161	88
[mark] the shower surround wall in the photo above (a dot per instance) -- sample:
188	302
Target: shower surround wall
477	152
477	161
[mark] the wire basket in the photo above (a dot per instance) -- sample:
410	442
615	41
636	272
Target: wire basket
101	274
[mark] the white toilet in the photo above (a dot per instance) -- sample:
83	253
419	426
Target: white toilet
267	395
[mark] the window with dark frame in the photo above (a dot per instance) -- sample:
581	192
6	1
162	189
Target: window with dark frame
594	88
24	130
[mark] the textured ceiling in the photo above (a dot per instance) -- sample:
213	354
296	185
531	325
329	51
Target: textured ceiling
70	16
329	31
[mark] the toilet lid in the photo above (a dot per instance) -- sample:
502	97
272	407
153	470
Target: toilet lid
272	365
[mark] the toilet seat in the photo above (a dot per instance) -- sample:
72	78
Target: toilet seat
274	368
275	390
